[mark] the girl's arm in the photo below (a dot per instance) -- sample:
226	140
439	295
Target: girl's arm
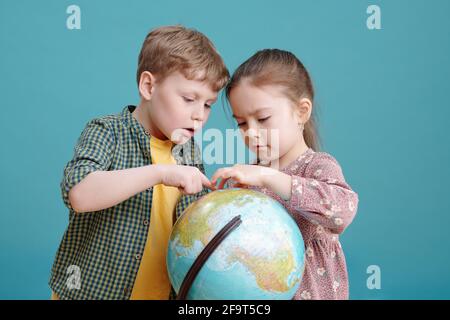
322	196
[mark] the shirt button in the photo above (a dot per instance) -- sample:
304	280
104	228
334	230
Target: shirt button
138	256
145	222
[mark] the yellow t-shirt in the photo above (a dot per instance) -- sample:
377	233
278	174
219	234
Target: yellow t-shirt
152	281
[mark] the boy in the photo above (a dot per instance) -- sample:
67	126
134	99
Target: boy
124	186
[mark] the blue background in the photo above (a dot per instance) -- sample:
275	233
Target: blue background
382	98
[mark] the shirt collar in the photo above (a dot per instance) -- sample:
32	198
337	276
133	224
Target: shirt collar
132	121
144	137
137	130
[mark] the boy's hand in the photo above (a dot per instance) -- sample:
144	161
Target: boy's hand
244	175
189	180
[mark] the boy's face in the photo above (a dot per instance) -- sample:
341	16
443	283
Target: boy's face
178	107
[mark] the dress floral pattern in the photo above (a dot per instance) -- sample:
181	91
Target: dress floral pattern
323	205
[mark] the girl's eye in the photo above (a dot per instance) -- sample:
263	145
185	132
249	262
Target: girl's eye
264	119
207	105
241	124
188	99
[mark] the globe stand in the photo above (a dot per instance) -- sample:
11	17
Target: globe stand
204	255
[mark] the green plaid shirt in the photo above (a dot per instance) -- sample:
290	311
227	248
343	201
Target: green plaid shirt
100	252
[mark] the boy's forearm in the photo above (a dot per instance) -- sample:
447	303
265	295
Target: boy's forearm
104	189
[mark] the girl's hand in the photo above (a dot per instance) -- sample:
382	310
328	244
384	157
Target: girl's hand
244	175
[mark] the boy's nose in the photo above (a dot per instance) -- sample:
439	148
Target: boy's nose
198	115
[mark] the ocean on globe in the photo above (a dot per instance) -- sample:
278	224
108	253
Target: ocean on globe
263	258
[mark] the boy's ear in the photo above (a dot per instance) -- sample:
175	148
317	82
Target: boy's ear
303	110
146	84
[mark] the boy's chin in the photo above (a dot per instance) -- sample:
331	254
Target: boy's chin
181	136
181	141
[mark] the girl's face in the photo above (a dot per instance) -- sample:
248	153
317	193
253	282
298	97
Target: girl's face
268	120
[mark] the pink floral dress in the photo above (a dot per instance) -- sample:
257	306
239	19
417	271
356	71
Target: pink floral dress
323	205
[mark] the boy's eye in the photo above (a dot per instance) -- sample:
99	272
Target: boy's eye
188	99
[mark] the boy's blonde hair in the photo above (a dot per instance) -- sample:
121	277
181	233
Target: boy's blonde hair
176	48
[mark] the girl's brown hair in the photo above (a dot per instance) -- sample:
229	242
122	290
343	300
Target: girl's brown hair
283	68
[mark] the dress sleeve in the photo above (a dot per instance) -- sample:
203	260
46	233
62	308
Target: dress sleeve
322	196
93	151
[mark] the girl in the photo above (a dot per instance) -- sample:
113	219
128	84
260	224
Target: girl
271	96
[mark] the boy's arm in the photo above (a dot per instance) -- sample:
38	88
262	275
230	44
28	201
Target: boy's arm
93	152
89	185
104	189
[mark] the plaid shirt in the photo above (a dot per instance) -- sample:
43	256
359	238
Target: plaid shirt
100	252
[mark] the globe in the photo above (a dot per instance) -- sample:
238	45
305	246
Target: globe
235	244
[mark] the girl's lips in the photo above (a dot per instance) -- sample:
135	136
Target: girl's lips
256	146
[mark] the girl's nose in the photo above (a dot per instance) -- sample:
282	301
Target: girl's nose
252	133
253	130
253	137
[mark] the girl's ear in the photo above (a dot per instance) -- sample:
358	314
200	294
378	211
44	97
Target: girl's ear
146	84
303	110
